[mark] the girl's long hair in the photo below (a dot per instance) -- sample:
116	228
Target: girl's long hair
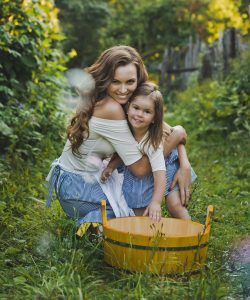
103	71
155	131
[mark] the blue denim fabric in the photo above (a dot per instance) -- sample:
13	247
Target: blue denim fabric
138	191
80	199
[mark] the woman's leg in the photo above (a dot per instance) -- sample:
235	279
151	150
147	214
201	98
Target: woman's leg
80	199
175	207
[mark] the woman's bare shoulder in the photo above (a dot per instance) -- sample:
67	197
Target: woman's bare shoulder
109	109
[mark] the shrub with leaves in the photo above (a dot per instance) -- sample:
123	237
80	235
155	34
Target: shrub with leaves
218	106
31	66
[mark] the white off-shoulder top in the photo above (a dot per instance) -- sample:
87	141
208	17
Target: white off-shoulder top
105	138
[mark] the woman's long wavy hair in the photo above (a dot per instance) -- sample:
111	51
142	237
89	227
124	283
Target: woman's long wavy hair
155	130
103	71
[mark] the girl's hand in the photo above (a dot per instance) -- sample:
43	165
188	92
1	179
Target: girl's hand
153	211
106	173
183	178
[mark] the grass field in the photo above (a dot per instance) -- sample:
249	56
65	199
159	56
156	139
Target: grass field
42	259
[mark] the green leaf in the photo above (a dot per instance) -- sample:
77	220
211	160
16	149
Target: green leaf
5	129
29	61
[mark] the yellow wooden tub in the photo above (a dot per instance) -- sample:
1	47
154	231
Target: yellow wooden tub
170	246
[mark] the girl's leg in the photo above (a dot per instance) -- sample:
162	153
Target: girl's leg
175	207
139	211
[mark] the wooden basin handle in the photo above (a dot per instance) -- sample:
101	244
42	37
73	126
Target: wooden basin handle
210	212
104	214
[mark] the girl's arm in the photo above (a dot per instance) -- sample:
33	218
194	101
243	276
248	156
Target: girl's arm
183	175
113	164
178	135
154	208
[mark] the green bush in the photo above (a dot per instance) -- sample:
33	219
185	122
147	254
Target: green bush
215	106
31	66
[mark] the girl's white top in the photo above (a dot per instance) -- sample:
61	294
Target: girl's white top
156	157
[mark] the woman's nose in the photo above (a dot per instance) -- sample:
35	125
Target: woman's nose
123	88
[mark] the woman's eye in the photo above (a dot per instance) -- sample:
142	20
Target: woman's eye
131	81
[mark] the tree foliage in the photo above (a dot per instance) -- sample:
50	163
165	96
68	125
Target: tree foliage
147	27
82	23
210	18
31	66
92	26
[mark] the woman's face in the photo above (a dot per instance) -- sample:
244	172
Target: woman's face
123	84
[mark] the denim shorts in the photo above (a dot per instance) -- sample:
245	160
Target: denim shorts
79	198
138	191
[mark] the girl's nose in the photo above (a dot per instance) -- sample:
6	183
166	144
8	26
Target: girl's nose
139	112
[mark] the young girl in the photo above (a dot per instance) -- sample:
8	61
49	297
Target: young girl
144	194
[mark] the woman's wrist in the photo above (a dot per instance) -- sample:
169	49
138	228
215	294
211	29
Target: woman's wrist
185	164
183	159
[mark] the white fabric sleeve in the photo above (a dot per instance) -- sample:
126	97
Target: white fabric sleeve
119	135
156	157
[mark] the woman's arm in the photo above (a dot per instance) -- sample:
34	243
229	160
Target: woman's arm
177	136
183	175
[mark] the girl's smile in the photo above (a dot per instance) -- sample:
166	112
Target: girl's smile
141	112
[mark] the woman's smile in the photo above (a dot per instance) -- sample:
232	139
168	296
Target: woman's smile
123	84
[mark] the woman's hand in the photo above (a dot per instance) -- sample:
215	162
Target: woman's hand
106	173
153	211
183	178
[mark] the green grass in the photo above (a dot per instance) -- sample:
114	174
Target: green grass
42	259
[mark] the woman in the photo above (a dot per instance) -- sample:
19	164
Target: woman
96	132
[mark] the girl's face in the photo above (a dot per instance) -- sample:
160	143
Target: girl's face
123	84
141	112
